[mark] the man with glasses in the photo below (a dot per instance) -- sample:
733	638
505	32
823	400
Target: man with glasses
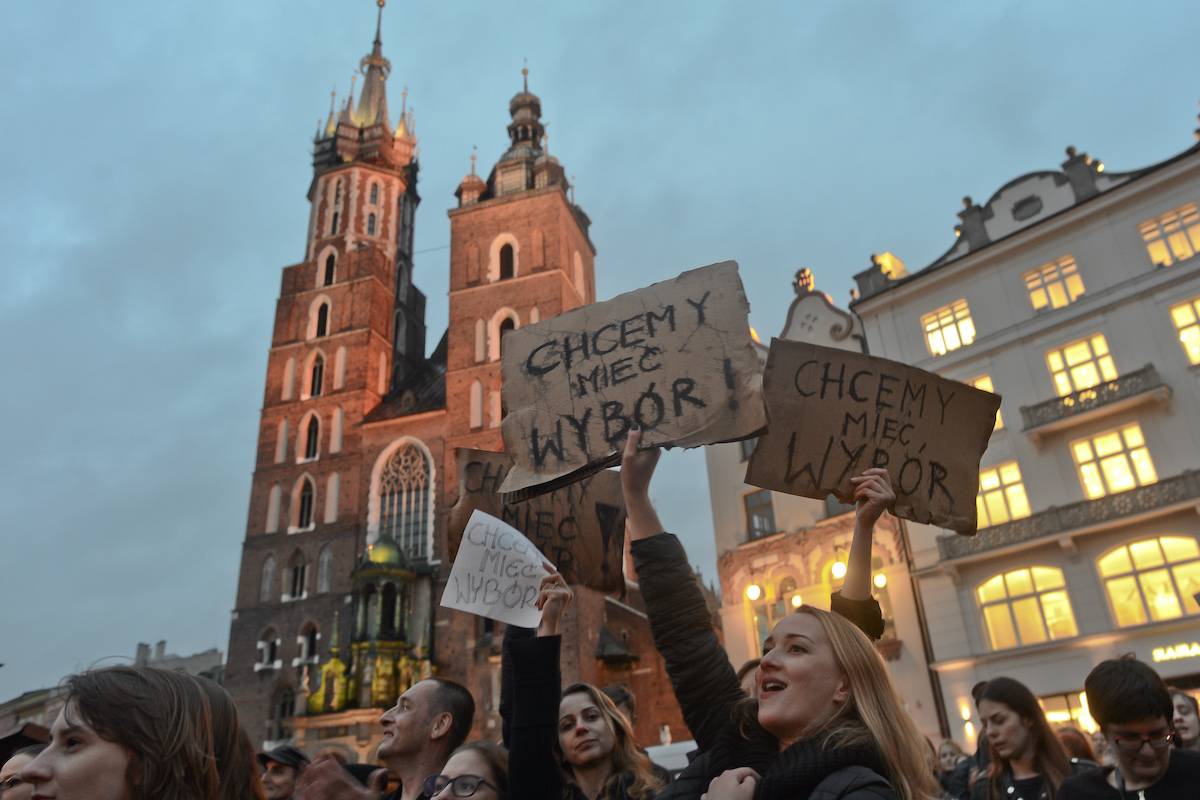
1134	709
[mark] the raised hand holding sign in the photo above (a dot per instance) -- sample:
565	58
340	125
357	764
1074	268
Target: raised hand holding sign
496	574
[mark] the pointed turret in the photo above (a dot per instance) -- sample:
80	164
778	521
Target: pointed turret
471	187
526	128
331	122
372	105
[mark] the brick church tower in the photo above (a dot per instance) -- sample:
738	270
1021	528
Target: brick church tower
310	633
344	559
520	252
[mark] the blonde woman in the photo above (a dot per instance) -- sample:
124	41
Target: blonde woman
827	722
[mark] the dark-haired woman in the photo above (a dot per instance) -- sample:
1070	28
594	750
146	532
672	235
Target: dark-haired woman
1028	760
129	733
581	729
827	721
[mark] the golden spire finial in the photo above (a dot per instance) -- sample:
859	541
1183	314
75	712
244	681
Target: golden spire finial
379	19
473	157
525	75
403	100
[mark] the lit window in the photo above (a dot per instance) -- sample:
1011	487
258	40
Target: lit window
948	328
1026	606
768	611
1114	461
1081	365
1054	285
760	515
1001	495
1173	236
1186	317
1068	709
1153	579
984	382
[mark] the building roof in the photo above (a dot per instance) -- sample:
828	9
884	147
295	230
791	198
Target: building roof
1023	203
423	390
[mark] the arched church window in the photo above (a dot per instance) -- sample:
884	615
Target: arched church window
370	225
268	648
324	569
405	500
317	377
401	343
284	708
506	261
307	640
374	194
304	513
298	578
323	320
266	587
330	265
506	326
312	439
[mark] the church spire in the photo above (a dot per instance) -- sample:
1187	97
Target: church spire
372	104
331	122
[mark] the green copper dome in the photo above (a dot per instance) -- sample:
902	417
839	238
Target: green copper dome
385	551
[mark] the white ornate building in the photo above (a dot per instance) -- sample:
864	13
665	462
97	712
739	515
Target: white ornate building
1074	294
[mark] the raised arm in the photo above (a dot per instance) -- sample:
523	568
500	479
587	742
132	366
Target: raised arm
531	728
873	494
705	683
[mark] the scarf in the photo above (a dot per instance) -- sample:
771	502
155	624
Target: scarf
799	768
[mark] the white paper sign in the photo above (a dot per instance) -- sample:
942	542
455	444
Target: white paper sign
496	573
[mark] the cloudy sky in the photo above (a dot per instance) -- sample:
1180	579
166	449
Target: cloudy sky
158	156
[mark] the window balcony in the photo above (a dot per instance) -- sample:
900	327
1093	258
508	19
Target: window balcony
1137	388
1156	499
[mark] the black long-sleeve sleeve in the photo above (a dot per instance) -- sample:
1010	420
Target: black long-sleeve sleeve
705	683
530	664
511	633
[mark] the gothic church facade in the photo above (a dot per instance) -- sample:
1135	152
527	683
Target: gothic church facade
344	558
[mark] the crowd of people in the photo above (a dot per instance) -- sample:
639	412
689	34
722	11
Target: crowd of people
817	716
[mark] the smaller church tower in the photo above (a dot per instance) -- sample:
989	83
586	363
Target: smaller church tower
519	252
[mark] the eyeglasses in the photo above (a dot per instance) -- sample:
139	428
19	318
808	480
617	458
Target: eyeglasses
462	786
1132	744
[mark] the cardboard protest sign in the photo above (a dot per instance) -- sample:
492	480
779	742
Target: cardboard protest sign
496	573
834	413
674	358
580	527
